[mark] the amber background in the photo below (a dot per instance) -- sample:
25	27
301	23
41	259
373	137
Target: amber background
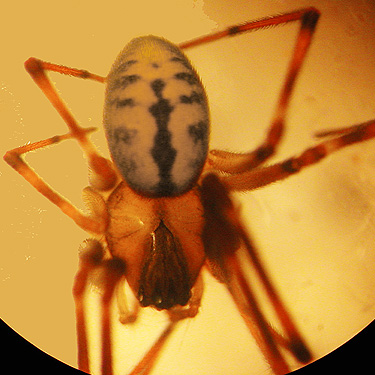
315	231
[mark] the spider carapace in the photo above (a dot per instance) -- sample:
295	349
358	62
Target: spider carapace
161	209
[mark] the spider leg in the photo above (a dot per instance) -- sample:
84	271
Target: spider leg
308	17
105	177
90	258
266	175
111	281
226	241
147	363
176	314
338	131
13	158
113	270
79	73
127	315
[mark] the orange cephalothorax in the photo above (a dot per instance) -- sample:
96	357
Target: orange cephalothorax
159	241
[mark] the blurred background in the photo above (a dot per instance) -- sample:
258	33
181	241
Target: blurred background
315	231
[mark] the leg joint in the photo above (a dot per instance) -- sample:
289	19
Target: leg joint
12	158
33	66
264	152
291	166
310	19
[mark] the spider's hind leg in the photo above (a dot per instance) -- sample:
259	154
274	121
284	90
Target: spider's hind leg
229	249
344	130
336	140
111	272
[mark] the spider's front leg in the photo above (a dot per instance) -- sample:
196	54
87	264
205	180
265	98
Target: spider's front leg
227	245
103	175
308	18
15	160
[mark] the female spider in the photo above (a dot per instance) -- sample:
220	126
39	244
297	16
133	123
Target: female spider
161	208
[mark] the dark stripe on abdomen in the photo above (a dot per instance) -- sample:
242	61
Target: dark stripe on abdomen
162	152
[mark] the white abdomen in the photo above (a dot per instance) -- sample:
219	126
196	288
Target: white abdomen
156	118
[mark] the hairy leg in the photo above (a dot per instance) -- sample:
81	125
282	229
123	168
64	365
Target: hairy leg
308	18
263	176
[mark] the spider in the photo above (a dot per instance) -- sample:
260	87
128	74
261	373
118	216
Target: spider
161	210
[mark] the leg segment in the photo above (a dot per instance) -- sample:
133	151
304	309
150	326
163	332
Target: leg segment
147	363
113	270
103	174
339	131
236	163
226	241
106	177
14	159
90	258
127	315
79	73
264	176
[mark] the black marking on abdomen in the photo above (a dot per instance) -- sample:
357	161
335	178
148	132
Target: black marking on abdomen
163	153
193	98
124	81
190	78
121	103
124	135
198	131
182	61
123	67
157	87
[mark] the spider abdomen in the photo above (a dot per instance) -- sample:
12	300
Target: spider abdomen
156	118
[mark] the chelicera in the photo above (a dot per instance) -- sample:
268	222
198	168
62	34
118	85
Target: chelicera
162	208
